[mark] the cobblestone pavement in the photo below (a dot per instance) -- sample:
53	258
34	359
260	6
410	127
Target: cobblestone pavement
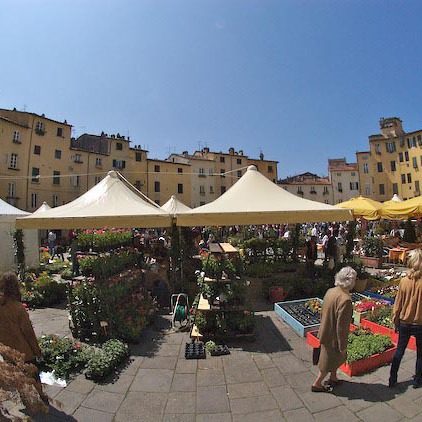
265	380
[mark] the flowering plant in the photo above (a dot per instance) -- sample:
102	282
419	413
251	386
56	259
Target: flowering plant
369	305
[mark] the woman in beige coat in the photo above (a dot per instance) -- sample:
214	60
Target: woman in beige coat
15	326
337	313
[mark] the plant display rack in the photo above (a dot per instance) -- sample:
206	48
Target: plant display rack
222	299
299	318
361	366
376	328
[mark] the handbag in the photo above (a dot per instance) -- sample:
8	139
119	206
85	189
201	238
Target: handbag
315	355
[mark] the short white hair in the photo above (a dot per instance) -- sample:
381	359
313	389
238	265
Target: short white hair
346	278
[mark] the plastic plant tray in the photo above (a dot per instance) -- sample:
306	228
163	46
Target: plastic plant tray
356	297
361	366
390	300
299	318
195	351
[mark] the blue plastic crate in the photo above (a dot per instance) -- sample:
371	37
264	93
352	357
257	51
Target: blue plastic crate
390	300
293	322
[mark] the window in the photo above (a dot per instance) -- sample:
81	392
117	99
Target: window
239	173
77	158
403	179
299	190
37	150
222	171
211	172
270	169
367	189
239	161
179	170
97	180
56	178
157	169
393	165
339	174
415	162
406	155
13	161
222	160
339	187
55	200
34	200
382	189
60	131
156	186
325	191
411	142
39	128
417	185
35	174
202	190
313	189
98	162
353	174
377	149
201	172
409	178
16	137
211	189
223	189
180	188
379	167
395	188
11	190
119	146
137	184
421	159
354	186
390	146
57	154
365	168
401	157
119	164
138	156
75	181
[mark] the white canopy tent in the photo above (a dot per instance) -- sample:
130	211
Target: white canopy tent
8	215
254	199
173	206
44	207
113	202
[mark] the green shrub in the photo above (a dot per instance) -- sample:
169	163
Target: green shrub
102	363
409	234
104	240
373	247
363	344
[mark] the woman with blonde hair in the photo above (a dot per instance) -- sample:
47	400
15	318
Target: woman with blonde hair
407	317
336	317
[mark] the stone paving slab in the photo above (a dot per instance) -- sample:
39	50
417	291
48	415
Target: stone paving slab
141	406
103	400
153	380
84	414
181	402
212	400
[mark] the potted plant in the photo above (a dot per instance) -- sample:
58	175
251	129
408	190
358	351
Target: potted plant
373	250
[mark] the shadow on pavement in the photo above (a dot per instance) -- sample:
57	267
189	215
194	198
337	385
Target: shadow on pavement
370	392
53	415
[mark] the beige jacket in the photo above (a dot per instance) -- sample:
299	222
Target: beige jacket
337	313
16	330
408	302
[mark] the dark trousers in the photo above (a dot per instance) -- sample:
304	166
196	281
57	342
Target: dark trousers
405	331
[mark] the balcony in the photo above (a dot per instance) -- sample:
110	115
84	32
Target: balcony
202	175
313	192
17	141
202	193
40	131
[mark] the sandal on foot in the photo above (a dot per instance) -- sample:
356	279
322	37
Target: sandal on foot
322	389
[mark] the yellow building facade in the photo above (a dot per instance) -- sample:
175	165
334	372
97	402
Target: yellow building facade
40	161
393	163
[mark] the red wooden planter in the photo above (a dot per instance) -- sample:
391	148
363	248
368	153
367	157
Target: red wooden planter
376	328
361	366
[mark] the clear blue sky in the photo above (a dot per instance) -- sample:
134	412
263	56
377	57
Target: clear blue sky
301	80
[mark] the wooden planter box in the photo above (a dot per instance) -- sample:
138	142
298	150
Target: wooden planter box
361	366
281	310
369	261
376	328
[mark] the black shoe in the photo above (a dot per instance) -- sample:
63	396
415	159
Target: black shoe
417	383
392	382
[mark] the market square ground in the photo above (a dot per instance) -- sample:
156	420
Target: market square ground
265	380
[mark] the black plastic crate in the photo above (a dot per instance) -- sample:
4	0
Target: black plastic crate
195	351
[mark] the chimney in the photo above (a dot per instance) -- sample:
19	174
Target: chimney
261	155
240	152
206	150
231	151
